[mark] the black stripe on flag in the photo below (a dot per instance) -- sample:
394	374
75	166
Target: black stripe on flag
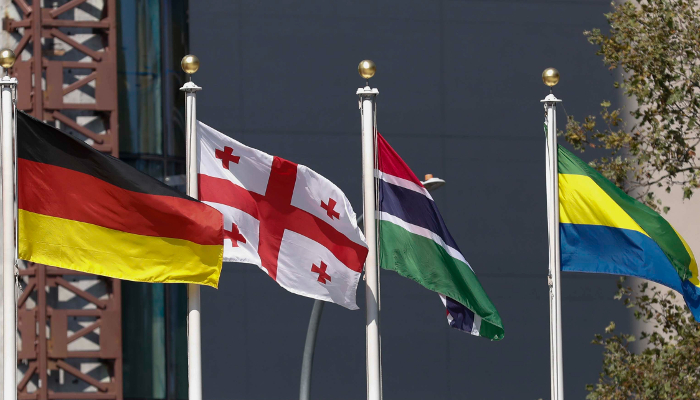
42	143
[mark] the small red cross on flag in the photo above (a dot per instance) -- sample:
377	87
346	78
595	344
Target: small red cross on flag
329	209
321	271
234	236
288	216
226	156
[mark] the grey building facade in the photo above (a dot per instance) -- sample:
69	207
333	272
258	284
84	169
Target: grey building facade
460	93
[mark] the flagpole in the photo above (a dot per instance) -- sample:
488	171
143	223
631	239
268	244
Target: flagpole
367	101
9	250
548	175
550	76
190	64
552	309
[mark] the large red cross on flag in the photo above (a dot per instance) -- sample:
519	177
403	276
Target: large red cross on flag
295	224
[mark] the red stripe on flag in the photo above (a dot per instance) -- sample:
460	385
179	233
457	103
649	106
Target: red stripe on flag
275	213
223	191
389	162
69	194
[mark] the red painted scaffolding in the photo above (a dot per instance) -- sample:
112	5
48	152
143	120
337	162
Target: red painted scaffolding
69	323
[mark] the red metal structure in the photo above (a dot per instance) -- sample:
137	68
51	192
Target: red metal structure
69	323
47	334
42	89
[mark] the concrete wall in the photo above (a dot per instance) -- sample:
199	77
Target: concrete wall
460	87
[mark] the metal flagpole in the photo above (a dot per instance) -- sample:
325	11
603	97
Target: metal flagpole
550	76
190	64
548	180
431	183
9	249
367	102
552	309
309	347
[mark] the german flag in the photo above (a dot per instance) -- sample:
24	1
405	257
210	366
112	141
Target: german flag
83	210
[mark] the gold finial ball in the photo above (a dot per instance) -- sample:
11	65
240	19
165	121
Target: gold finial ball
550	77
7	58
367	69
190	64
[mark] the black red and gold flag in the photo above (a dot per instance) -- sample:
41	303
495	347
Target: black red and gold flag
83	210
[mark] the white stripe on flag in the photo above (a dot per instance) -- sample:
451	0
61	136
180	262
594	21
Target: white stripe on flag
449	316
404	183
418	230
476	326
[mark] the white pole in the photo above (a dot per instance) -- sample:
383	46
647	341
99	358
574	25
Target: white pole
367	98
9	251
194	328
554	250
548	176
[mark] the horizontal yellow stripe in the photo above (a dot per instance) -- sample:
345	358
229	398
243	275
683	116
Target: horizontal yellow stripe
97	250
693	263
582	201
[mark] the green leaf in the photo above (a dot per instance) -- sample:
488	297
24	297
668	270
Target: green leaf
656	45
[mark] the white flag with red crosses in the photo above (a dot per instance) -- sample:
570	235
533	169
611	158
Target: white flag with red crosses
285	218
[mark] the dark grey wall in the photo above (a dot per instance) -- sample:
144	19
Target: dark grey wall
460	92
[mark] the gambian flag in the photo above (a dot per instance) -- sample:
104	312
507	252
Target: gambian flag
83	210
414	241
604	230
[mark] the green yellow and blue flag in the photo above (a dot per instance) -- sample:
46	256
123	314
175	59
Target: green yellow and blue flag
604	230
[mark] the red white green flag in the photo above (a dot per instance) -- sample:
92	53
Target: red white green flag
414	241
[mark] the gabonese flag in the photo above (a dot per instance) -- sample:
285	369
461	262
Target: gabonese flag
414	241
84	210
283	217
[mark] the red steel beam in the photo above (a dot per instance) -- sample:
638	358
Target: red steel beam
41	91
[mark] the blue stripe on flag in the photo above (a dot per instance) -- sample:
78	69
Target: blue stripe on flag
608	250
462	317
414	208
691	294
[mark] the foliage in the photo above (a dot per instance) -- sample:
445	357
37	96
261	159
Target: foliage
656	46
667	368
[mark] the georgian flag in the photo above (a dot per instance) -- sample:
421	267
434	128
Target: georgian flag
293	223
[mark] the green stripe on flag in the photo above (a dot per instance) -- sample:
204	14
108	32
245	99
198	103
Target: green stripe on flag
426	262
653	224
570	164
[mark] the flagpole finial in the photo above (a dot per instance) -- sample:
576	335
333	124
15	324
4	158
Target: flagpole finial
7	58
367	69
190	64
550	77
